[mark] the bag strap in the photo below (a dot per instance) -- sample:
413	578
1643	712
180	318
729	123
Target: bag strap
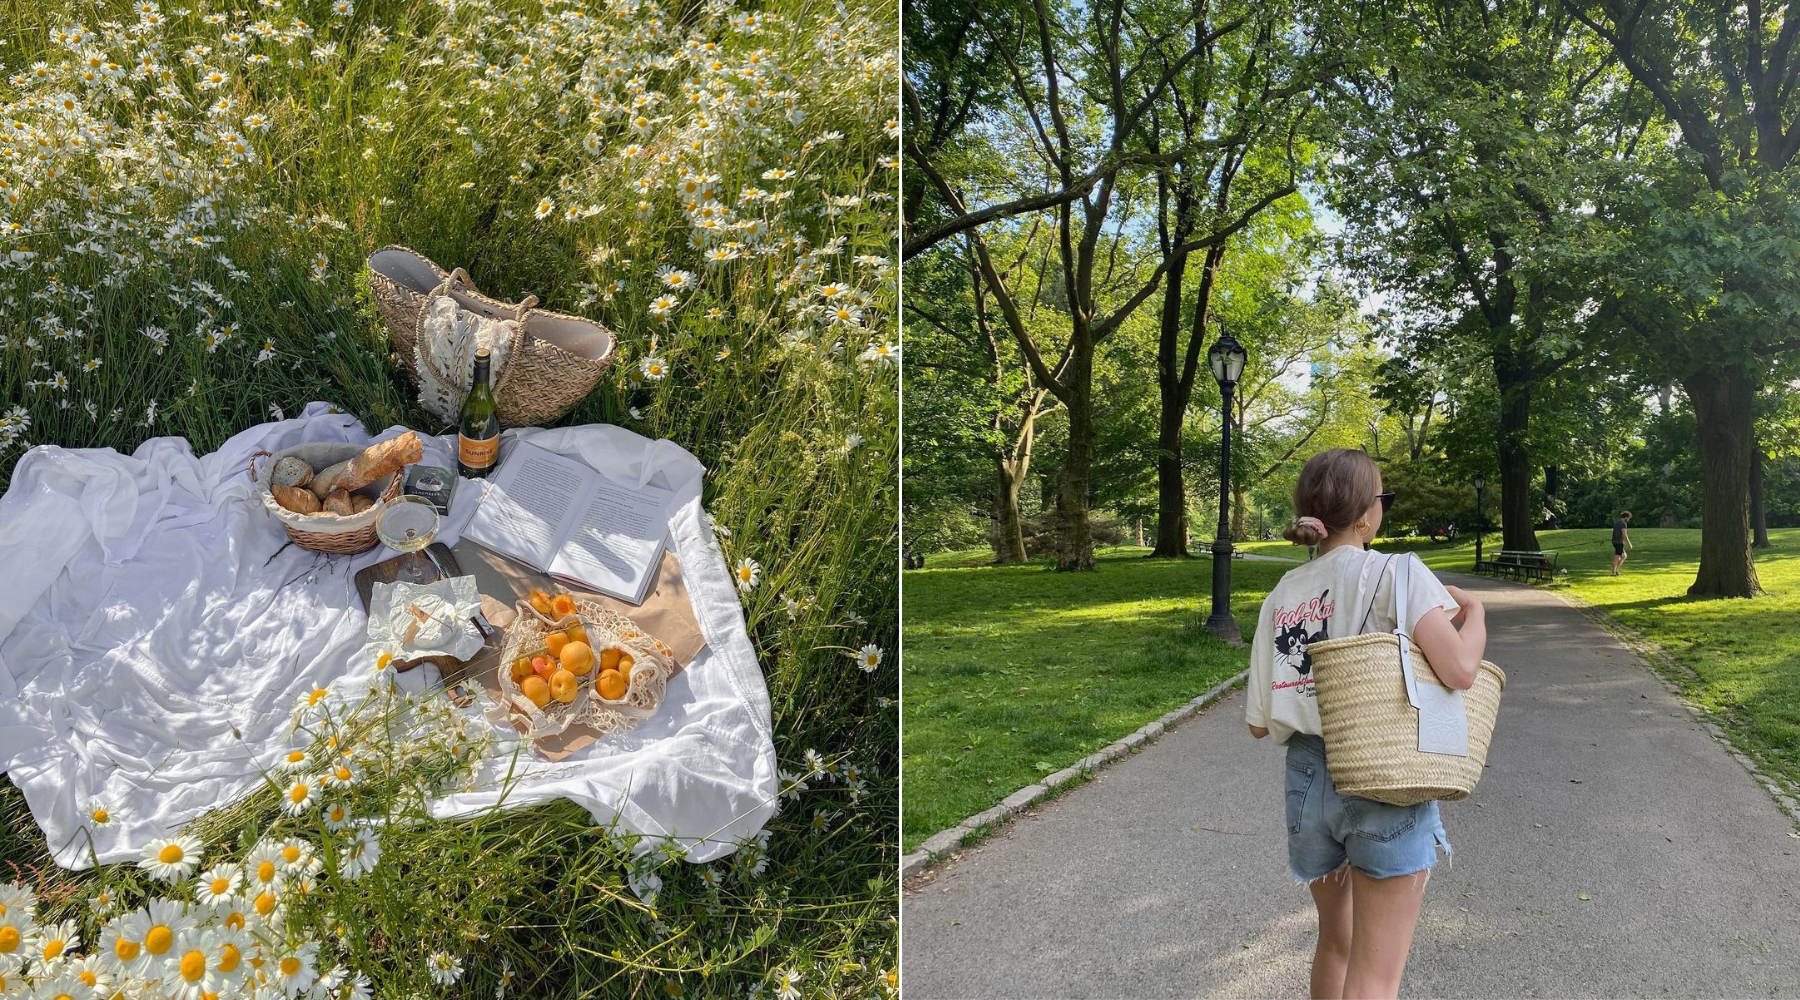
1363	625
1401	637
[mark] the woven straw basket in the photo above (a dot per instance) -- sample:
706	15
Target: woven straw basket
326	532
556	362
1372	731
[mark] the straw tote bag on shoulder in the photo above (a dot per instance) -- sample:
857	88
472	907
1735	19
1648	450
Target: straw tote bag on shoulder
552	360
1394	732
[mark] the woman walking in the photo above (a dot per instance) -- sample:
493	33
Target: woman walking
1365	862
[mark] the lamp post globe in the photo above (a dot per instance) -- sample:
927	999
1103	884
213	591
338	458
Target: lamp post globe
1226	359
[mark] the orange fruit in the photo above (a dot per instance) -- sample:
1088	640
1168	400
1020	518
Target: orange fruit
555	641
562	605
609	658
563	686
577	657
626	663
611	685
543	666
537	689
521	669
577	633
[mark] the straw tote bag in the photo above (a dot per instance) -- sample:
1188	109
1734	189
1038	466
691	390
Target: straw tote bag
1370	691
553	360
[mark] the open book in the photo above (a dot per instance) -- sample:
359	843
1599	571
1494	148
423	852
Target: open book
562	518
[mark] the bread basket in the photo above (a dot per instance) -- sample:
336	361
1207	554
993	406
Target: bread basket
326	532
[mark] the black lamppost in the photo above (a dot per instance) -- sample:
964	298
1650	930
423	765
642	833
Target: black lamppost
1226	358
1480	517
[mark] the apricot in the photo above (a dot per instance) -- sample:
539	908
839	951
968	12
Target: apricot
577	633
562	605
537	689
609	658
540	601
577	657
543	666
563	686
626	663
555	641
521	669
611	685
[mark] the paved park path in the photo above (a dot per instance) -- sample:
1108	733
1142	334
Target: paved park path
1166	876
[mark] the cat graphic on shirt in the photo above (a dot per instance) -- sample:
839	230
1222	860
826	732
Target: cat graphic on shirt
1300	627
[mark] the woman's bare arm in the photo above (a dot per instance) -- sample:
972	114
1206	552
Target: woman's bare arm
1455	656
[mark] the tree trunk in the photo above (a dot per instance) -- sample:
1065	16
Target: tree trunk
1075	542
1175	392
1724	413
1518	522
1759	511
1239	532
1009	528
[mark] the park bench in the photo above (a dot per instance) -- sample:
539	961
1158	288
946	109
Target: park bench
1520	564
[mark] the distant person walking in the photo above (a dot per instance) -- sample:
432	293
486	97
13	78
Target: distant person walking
1621	540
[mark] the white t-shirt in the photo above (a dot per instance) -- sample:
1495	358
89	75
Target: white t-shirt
1327	598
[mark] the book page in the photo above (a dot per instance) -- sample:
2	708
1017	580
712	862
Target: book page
528	504
616	542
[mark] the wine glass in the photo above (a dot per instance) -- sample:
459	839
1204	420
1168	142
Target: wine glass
409	524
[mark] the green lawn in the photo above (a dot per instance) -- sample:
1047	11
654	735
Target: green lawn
1015	671
1744	654
1012	672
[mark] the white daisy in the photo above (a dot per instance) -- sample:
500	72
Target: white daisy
868	658
748	574
218	884
192	969
300	796
53	940
295	761
654	367
17	902
545	207
445	969
296	970
337	816
98	814
300	858
361	854
263	868
788	984
340	775
171	860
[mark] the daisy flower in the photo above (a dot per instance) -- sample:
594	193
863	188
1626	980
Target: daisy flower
792	784
171	860
445	969
149	934
654	367
263	868
361	854
218	884
340	776
90	971
17	902
299	858
787	987
868	658
748	574
230	945
295	761
55	939
63	984
881	353
545	207
663	305
337	816
193	970
300	796
297	970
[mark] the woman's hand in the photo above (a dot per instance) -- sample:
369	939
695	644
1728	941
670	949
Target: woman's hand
1465	605
1258	731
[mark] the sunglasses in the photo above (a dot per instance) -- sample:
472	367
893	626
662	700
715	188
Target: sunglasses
1387	501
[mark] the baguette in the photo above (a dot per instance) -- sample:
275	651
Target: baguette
375	461
338	502
295	498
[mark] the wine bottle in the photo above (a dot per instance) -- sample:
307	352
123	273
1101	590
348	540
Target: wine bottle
478	426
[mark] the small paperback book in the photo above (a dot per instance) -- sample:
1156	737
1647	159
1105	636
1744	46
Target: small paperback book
560	517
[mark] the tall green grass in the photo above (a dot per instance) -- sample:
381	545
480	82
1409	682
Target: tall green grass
209	259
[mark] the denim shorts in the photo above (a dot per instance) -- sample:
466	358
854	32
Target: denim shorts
1326	829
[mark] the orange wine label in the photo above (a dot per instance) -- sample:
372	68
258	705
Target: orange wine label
477	454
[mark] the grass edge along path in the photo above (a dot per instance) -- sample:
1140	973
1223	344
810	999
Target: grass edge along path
1017	672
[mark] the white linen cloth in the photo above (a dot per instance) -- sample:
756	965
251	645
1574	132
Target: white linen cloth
155	635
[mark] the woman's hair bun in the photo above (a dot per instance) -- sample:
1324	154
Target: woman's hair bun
1306	531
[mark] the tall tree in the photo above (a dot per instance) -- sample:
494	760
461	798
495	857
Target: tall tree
1722	254
1473	165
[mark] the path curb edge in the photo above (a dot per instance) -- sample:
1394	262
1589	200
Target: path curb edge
935	847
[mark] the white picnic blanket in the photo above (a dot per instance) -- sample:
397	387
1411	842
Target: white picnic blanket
154	635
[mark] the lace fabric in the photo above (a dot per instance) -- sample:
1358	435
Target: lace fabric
444	353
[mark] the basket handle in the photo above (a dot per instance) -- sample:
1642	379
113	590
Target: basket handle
252	464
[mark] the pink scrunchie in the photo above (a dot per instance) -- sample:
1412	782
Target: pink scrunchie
1313	523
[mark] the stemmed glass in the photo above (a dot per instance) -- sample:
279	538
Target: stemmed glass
409	524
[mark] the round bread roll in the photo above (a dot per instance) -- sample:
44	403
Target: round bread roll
291	471
296	499
360	503
339	502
